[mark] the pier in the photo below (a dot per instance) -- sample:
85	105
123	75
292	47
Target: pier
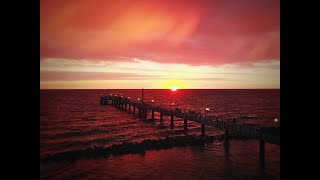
232	127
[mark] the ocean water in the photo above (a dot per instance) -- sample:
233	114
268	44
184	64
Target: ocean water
74	119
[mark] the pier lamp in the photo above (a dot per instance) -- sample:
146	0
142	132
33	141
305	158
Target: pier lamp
152	101
115	95
172	104
277	122
121	96
110	94
128	97
207	110
138	99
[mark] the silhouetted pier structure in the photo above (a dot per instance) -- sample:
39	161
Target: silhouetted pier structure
232	127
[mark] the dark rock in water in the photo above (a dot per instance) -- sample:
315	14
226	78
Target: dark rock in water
126	148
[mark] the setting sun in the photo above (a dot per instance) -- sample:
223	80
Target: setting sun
174	88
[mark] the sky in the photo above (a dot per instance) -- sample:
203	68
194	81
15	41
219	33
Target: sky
157	44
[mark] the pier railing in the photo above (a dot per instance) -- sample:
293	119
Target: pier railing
232	127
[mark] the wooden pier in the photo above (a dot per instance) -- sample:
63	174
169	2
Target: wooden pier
232	127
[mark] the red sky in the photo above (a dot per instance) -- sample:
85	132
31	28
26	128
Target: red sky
157	44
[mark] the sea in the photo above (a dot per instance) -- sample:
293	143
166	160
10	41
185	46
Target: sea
74	120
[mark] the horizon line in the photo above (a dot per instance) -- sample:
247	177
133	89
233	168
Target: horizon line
169	89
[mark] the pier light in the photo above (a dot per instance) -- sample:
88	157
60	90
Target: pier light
172	104
101	94
110	94
120	96
207	110
128	97
138	99
276	120
115	95
152	101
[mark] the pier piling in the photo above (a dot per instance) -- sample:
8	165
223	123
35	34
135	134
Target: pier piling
203	130
185	124
171	119
152	114
161	117
261	147
226	137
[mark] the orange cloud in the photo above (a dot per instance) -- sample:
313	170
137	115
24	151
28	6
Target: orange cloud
189	31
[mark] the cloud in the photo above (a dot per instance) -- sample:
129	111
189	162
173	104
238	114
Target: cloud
80	76
68	73
193	32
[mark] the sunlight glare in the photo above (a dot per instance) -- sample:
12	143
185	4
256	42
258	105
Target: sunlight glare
174	88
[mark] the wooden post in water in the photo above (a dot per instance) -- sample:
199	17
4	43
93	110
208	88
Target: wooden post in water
203	129
185	125
152	110
129	108
171	119
134	109
145	113
261	147
226	137
161	116
152	114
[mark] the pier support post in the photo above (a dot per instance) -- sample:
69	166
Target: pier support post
129	108
226	137
152	114
185	124
145	113
261	147
161	117
140	111
171	119
203	130
134	109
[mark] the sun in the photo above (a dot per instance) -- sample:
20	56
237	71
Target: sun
174	88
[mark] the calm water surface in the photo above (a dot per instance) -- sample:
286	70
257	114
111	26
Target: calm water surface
74	119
